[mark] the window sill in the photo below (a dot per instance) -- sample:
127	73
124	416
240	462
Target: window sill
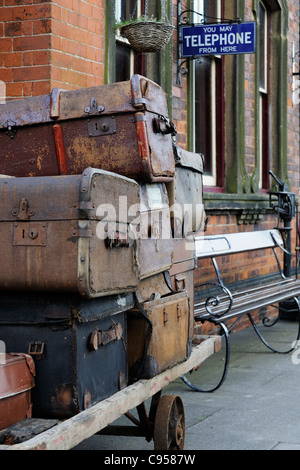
216	202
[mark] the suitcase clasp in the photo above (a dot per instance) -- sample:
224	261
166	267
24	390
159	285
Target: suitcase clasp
22	212
36	349
94	108
103	337
11	130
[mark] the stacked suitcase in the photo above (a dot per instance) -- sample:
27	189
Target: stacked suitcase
97	245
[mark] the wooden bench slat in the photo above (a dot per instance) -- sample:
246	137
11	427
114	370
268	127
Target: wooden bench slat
260	297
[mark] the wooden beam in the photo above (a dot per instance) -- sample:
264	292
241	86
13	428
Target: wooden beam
71	432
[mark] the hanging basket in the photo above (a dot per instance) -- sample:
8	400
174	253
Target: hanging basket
147	36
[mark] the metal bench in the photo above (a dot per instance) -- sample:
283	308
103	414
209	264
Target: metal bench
221	305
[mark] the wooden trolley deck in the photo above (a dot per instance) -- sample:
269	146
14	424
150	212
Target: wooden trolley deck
67	434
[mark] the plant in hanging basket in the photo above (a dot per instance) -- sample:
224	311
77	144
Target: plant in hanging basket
146	35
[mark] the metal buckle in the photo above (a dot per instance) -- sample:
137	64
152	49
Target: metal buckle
36	349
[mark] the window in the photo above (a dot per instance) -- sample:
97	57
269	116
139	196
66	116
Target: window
208	102
128	62
263	61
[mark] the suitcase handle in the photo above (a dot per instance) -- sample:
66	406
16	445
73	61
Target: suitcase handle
163	125
103	337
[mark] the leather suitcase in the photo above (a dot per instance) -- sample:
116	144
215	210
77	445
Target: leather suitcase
68	233
186	193
158	335
155	235
78	346
182	273
121	127
17	373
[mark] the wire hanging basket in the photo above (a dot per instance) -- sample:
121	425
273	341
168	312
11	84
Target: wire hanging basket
147	36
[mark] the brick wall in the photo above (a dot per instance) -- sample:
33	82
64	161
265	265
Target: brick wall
179	96
47	44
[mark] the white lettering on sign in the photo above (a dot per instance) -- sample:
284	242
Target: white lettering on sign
226	28
225	38
221	39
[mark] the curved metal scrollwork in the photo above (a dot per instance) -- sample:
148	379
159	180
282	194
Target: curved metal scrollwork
215	304
268	320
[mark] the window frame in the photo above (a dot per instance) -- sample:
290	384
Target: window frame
214	181
264	98
241	186
271	128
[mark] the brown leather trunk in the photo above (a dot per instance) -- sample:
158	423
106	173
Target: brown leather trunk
16	382
68	233
158	335
121	127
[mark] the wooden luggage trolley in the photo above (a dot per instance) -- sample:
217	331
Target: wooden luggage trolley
67	291
165	423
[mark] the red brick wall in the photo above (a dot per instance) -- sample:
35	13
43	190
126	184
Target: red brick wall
77	47
47	44
25	47
179	96
237	268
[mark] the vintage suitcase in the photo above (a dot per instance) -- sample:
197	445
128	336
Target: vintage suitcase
158	335
186	193
182	273
78	345
17	373
155	235
153	287
122	127
68	233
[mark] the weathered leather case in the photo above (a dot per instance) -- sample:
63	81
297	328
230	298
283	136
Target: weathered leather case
79	347
17	373
121	127
69	233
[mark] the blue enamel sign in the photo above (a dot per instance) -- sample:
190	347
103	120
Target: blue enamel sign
218	39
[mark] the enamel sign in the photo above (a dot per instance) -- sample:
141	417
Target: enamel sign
218	39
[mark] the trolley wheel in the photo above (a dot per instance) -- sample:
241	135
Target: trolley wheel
169	424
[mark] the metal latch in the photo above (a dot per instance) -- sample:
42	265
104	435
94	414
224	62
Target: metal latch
94	108
10	130
179	311
36	349
139	103
23	212
82	232
103	337
99	126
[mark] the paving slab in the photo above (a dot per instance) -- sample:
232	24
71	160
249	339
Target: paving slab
257	407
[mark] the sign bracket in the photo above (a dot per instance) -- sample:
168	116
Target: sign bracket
183	20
